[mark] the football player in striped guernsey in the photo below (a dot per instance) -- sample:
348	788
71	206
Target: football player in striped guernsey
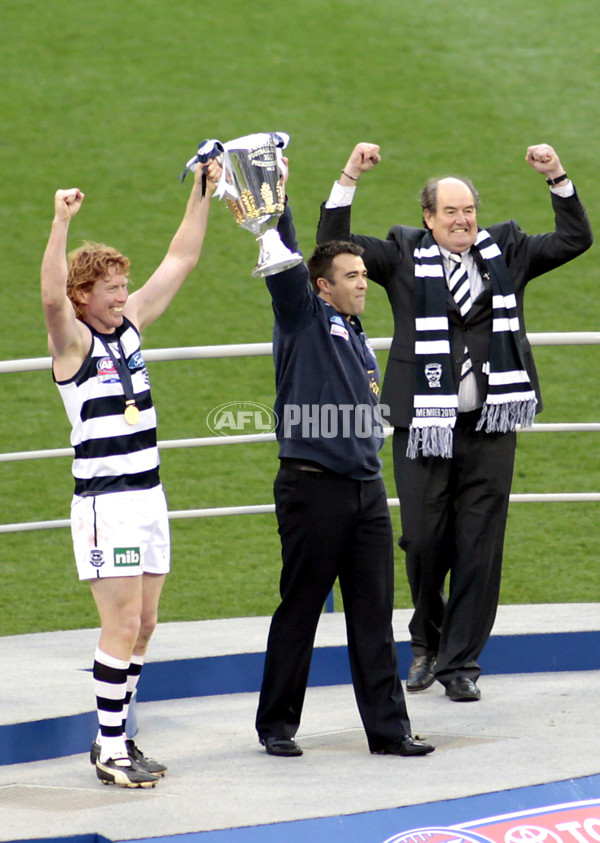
119	519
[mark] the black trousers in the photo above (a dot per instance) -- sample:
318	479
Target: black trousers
331	526
453	515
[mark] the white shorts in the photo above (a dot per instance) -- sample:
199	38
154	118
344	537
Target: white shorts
121	534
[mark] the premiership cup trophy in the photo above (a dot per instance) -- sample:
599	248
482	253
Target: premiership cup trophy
251	186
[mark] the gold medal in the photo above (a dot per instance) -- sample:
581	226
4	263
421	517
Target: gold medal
132	414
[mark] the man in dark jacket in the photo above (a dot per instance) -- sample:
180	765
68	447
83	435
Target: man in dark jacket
330	500
460	378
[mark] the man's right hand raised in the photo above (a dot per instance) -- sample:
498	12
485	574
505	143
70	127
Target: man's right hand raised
67	203
364	157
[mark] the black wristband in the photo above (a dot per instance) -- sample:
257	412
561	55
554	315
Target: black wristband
348	176
558	179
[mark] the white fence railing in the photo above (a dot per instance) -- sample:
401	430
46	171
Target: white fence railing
264	349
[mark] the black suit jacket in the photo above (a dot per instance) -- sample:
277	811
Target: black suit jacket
390	263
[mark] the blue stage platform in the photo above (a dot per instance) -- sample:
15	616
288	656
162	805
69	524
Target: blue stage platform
530	745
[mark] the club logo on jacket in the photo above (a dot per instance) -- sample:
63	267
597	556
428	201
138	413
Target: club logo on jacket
373	382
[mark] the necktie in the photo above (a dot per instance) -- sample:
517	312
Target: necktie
459	286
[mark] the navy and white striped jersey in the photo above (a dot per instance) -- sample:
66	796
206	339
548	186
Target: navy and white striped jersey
111	455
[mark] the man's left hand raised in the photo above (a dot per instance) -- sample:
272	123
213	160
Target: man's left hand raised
544	159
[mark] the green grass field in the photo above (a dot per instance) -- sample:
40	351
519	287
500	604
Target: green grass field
114	97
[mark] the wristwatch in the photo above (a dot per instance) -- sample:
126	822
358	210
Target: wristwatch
558	179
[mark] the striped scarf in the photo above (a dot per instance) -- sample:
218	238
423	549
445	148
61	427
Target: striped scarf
510	399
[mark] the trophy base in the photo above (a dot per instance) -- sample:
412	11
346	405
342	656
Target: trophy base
261	270
274	256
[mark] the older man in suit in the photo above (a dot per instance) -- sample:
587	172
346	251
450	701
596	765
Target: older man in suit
460	379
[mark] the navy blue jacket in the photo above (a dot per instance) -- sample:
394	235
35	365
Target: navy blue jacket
327	377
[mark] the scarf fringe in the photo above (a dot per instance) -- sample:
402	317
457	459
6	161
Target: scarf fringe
502	418
430	441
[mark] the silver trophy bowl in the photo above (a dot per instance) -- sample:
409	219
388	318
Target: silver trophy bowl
252	188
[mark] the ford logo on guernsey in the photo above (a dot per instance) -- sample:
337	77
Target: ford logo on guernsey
237	418
136	362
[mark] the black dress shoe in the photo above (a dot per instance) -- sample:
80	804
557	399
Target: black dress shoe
462	689
405	745
286	747
421	673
